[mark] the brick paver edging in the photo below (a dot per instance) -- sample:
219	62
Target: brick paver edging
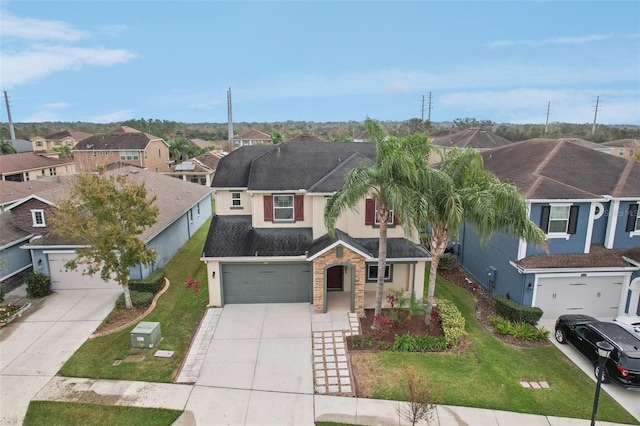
147	312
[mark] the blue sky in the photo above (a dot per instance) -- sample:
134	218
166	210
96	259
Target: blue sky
110	61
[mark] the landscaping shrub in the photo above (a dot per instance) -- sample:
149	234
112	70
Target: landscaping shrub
38	285
430	343
362	341
138	299
519	329
404	343
152	284
452	322
511	310
448	262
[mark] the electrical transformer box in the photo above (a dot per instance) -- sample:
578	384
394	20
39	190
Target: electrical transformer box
146	335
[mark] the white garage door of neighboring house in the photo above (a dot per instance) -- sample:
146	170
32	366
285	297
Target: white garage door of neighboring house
597	296
68	279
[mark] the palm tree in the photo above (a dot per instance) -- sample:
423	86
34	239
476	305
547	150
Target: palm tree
467	192
178	147
6	147
390	180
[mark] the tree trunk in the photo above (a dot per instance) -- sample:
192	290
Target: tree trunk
382	263
439	241
127	296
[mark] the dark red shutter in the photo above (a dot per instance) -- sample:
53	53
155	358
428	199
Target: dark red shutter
298	207
370	211
395	219
268	208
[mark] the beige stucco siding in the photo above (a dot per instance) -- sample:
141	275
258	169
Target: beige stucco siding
403	277
223	203
258	214
215	290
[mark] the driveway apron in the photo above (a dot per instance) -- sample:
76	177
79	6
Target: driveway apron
35	346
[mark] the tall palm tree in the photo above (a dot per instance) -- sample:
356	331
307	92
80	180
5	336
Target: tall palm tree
465	191
178	147
6	147
390	181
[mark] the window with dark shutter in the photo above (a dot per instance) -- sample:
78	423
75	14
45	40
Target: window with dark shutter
632	221
370	211
268	208
544	218
298	207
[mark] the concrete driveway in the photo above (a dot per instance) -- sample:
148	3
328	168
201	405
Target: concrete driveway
629	399
257	369
35	346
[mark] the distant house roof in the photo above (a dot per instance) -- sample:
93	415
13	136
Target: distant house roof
598	257
624	143
68	133
10	233
362	137
200	143
25	161
117	141
253	134
582	142
552	169
472	138
305	137
21	145
287	166
11	192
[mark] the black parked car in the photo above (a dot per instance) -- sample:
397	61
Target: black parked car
583	332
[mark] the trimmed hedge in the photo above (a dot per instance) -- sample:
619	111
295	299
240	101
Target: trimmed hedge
452	322
152	284
138	299
38	285
513	311
448	262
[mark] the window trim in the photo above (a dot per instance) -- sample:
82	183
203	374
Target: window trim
42	223
292	208
239	206
633	226
388	273
572	219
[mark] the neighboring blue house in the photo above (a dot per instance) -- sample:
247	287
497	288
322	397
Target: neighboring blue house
586	201
183	208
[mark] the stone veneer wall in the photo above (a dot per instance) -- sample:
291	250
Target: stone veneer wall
328	259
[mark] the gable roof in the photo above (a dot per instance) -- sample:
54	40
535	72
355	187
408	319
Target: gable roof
624	143
305	137
292	166
598	257
25	161
11	192
233	170
68	133
472	138
115	141
200	143
545	169
252	134
10	234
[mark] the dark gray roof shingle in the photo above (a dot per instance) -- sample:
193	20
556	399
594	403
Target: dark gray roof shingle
115	141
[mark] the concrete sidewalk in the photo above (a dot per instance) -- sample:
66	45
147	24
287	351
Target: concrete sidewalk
205	405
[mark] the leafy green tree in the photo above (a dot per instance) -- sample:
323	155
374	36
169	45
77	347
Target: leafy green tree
6	147
63	151
390	181
179	147
465	191
107	214
471	123
276	137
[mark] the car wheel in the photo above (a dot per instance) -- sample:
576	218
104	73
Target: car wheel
605	373
560	336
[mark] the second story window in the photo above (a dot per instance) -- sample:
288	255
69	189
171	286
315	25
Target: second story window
633	220
559	220
38	218
39	143
371	214
236	200
282	208
52	171
621	151
128	155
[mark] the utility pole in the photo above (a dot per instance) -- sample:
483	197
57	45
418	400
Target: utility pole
422	109
11	130
428	108
546	124
429	118
595	116
229	117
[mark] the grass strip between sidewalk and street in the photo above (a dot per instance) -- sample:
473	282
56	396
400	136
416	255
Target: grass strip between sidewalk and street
178	311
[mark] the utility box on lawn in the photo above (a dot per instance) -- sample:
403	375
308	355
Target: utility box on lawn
146	335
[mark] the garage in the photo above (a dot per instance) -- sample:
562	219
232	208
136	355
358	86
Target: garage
597	296
266	283
63	278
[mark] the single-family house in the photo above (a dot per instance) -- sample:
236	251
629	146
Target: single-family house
29	166
625	148
183	208
67	137
268	242
123	146
305	137
477	139
250	138
586	202
199	169
21	145
12	192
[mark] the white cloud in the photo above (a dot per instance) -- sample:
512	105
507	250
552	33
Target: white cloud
546	41
48	112
37	29
112	117
41	61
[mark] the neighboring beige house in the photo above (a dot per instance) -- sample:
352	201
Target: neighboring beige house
65	137
201	143
123	146
626	148
28	166
198	169
250	138
268	243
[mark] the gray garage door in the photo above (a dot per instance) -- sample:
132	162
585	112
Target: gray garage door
270	283
597	296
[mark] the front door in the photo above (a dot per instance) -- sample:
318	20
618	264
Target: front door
335	276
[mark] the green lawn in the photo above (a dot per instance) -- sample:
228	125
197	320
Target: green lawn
487	373
178	311
71	413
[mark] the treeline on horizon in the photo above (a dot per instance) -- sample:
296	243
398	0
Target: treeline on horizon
334	131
